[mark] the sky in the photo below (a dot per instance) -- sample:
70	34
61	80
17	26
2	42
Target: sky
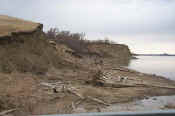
146	26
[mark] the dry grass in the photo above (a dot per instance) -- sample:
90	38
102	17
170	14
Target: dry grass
10	24
30	54
5	103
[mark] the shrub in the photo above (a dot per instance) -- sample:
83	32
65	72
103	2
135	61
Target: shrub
104	41
75	41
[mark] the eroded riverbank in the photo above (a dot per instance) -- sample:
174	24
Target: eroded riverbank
147	104
66	91
42	75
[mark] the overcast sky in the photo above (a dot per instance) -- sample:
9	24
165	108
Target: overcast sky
147	26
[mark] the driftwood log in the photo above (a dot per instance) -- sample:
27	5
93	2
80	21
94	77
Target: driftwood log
98	101
75	93
7	112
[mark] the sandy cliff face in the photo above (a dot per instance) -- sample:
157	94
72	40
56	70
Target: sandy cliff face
24	47
113	54
111	50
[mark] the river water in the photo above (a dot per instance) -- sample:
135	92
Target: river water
153	103
159	65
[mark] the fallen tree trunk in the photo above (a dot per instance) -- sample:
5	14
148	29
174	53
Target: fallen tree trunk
98	101
75	93
6	112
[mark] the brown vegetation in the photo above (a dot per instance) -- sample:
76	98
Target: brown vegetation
75	41
62	72
33	54
26	48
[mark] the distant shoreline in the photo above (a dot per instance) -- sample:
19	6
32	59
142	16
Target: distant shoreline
154	54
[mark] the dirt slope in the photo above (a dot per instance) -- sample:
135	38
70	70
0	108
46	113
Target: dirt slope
25	48
110	50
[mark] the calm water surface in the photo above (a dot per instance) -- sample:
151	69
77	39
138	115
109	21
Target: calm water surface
153	103
159	65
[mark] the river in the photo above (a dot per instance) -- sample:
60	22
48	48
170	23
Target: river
159	65
152	103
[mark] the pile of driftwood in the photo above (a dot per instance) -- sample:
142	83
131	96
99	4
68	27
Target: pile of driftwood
67	87
100	78
56	87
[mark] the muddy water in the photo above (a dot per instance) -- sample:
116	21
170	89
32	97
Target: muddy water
152	103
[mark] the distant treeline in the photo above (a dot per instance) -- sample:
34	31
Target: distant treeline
75	41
